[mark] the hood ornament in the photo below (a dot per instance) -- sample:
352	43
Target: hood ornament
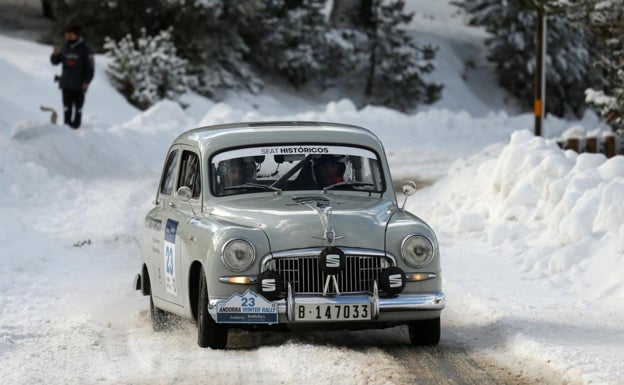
330	236
326	215
324	210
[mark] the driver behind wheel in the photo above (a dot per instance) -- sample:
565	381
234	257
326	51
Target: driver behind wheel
235	172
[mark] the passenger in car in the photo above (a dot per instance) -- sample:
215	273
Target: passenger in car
329	169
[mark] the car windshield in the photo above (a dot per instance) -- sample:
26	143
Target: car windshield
295	167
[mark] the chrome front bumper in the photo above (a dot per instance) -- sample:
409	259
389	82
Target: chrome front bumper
400	303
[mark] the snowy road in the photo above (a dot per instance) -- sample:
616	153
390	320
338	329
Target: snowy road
97	330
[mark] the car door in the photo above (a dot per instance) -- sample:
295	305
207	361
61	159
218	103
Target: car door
179	228
165	219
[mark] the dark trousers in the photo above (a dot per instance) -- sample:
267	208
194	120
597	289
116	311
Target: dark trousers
72	107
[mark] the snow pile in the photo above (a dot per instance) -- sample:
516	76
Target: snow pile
564	209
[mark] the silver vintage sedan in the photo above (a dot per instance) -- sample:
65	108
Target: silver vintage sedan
287	226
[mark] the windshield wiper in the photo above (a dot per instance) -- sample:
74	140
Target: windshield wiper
254	186
347	183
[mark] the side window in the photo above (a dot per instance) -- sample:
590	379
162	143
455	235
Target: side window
189	173
166	183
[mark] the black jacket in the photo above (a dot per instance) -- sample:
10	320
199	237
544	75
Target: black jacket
78	64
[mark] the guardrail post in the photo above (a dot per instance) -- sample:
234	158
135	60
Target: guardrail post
573	144
609	146
591	145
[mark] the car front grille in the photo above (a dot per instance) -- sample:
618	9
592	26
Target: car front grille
306	277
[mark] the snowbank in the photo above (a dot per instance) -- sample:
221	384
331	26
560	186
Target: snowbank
564	210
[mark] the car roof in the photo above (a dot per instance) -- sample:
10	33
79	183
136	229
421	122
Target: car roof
218	137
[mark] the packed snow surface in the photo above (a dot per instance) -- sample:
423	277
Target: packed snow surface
531	237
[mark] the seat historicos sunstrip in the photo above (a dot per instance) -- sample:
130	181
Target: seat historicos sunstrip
287	226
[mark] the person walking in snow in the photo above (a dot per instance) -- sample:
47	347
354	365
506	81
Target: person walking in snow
77	73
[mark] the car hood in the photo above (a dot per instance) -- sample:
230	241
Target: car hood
293	222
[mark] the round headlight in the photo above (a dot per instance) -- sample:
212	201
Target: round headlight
238	255
417	251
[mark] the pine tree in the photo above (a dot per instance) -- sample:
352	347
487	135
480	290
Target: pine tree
147	69
294	40
220	52
396	64
606	20
113	19
569	68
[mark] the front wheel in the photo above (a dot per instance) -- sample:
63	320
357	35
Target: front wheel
425	332
158	316
209	333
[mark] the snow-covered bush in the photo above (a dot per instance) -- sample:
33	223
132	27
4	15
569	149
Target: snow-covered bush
147	69
610	107
606	20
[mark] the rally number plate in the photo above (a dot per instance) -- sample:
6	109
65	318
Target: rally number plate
332	312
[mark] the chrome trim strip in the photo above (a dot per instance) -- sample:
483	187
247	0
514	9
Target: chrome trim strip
315	251
331	277
375	300
407	302
290	304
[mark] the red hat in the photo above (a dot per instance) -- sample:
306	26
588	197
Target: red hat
74	28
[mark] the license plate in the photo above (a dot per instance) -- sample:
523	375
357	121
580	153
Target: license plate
332	312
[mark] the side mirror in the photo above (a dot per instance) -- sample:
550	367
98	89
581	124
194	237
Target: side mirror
409	188
184	193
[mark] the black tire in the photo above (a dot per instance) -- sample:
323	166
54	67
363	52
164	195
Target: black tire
425	332
209	333
160	321
158	316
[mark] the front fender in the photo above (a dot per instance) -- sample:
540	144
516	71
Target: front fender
215	268
401	224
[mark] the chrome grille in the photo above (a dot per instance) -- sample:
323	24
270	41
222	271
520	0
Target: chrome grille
305	276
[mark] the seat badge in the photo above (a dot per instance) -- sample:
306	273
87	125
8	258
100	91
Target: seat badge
332	261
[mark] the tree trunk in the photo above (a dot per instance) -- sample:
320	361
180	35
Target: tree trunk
370	79
46	9
359	14
371	12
